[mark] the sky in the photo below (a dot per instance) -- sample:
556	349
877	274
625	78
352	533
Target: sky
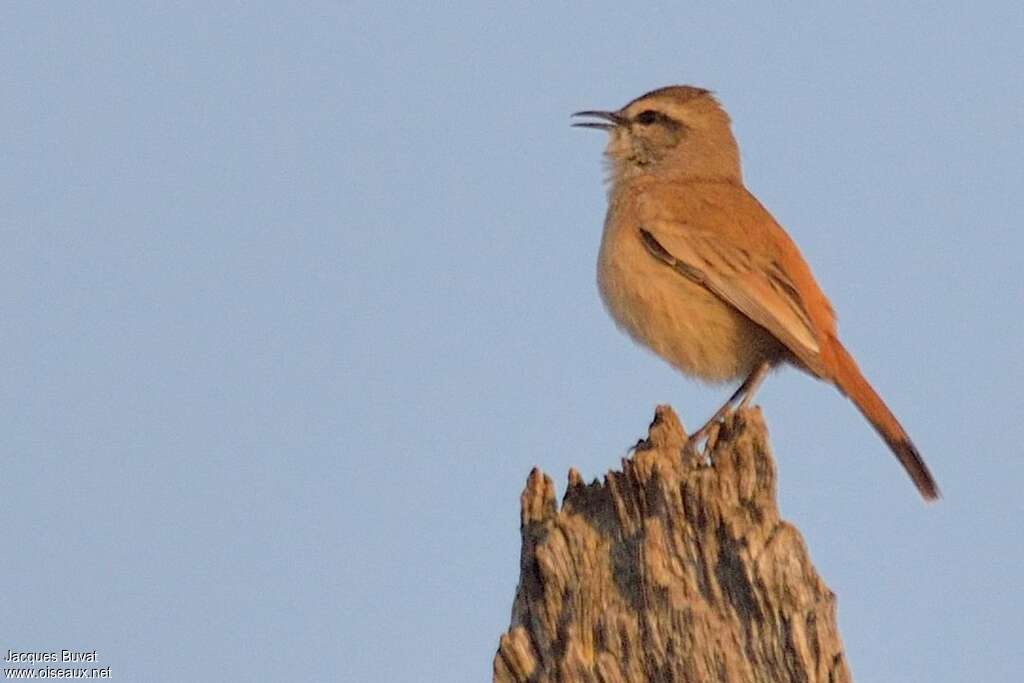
293	298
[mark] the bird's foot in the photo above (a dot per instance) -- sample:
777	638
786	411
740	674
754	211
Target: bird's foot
708	435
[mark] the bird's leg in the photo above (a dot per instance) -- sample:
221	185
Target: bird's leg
745	390
754	383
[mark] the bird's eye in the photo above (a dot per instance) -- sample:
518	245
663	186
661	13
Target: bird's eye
646	118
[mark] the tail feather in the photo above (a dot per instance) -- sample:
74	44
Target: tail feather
852	383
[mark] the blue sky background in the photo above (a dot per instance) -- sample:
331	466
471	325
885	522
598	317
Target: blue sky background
294	298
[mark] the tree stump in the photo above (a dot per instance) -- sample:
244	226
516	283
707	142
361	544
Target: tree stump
670	570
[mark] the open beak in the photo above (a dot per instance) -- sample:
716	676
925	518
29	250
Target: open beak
611	117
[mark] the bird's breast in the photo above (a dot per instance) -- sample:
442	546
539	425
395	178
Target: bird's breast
678	319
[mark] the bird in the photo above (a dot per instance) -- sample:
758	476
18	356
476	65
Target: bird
692	266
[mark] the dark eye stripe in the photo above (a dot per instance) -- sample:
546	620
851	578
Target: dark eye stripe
646	118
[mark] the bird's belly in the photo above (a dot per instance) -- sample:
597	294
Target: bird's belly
678	319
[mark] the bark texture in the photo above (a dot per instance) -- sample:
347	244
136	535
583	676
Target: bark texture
670	570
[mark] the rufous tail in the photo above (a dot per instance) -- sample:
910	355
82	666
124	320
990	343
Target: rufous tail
851	382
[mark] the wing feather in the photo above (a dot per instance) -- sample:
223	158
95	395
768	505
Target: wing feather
767	295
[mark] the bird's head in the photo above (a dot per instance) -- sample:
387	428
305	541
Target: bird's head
679	130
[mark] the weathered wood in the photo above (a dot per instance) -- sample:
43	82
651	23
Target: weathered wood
670	570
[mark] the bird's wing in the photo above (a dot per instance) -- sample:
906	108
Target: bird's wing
743	257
